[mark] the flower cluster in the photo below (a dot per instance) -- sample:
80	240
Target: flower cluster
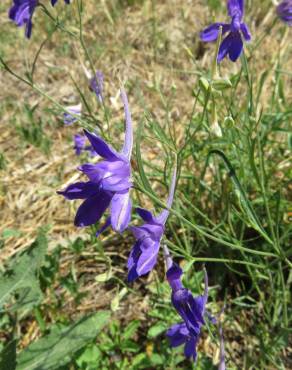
108	187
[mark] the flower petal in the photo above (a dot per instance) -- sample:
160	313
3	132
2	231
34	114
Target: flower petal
211	33
102	148
235	47
148	257
190	348
224	47
176	334
146	215
121	206
104	227
234	7
79	190
245	31
92	209
113	175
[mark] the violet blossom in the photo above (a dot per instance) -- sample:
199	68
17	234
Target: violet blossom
143	255
232	44
80	145
284	11
72	111
191	309
109	182
21	13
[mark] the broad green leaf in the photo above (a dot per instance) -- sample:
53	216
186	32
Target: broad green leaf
21	275
57	349
157	329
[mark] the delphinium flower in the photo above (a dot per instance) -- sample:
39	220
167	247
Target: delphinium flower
21	12
80	145
232	44
143	256
72	111
109	182
284	11
191	309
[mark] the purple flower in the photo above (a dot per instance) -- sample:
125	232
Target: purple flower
191	309
179	334
21	13
68	118
109	182
96	85
232	44
284	11
80	145
143	256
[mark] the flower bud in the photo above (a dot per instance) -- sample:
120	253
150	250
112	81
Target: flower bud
229	122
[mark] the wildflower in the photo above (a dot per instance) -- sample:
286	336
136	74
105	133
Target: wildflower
232	44
143	256
284	11
191	309
109	182
80	145
75	110
96	85
21	13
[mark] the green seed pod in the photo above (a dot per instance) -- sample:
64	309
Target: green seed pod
221	84
204	84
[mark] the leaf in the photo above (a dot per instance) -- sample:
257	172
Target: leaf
20	277
157	329
8	357
58	348
131	329
90	356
